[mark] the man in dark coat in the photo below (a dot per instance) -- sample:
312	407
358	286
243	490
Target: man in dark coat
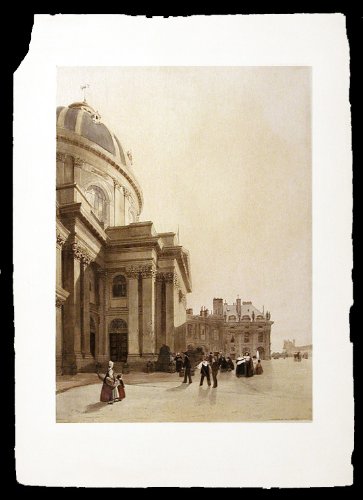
187	369
178	362
215	368
230	364
204	372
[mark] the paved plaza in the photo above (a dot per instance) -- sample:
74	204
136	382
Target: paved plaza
282	392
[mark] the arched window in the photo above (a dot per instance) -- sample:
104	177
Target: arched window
97	198
119	287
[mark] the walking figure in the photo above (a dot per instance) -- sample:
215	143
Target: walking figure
204	372
187	369
215	368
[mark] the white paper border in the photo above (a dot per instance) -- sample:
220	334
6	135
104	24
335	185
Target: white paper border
283	455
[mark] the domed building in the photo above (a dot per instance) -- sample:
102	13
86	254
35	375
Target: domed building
121	286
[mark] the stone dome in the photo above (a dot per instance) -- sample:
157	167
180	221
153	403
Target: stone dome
80	129
83	120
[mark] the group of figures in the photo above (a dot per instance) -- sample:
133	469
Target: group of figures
210	365
247	366
298	356
113	387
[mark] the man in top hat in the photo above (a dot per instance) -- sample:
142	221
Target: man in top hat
215	368
187	369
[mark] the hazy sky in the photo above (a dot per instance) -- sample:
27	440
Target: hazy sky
225	154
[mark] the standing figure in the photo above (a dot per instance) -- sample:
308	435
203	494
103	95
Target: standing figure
109	391
240	366
215	368
121	387
204	371
259	369
223	364
249	365
178	362
254	360
187	369
230	364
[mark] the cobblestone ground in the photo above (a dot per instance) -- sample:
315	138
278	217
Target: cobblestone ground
282	392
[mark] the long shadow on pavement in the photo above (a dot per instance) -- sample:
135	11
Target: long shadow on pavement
178	387
94	407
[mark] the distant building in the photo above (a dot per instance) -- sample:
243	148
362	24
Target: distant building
290	347
230	328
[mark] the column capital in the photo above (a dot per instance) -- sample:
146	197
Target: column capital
78	162
145	271
127	193
60	239
171	277
102	273
61	157
58	302
116	183
81	254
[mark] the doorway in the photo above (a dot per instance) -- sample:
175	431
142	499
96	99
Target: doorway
92	337
118	340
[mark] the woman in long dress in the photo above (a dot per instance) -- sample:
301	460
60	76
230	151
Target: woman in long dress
240	366
249	365
109	391
121	387
259	369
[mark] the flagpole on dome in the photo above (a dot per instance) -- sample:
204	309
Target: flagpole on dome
84	86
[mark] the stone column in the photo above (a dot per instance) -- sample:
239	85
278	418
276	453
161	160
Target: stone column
133	306
60	298
60	242
148	274
171	282
119	204
85	300
101	341
78	164
160	338
72	310
59	337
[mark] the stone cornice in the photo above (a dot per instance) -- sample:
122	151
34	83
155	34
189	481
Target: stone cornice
181	256
76	210
135	242
111	162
